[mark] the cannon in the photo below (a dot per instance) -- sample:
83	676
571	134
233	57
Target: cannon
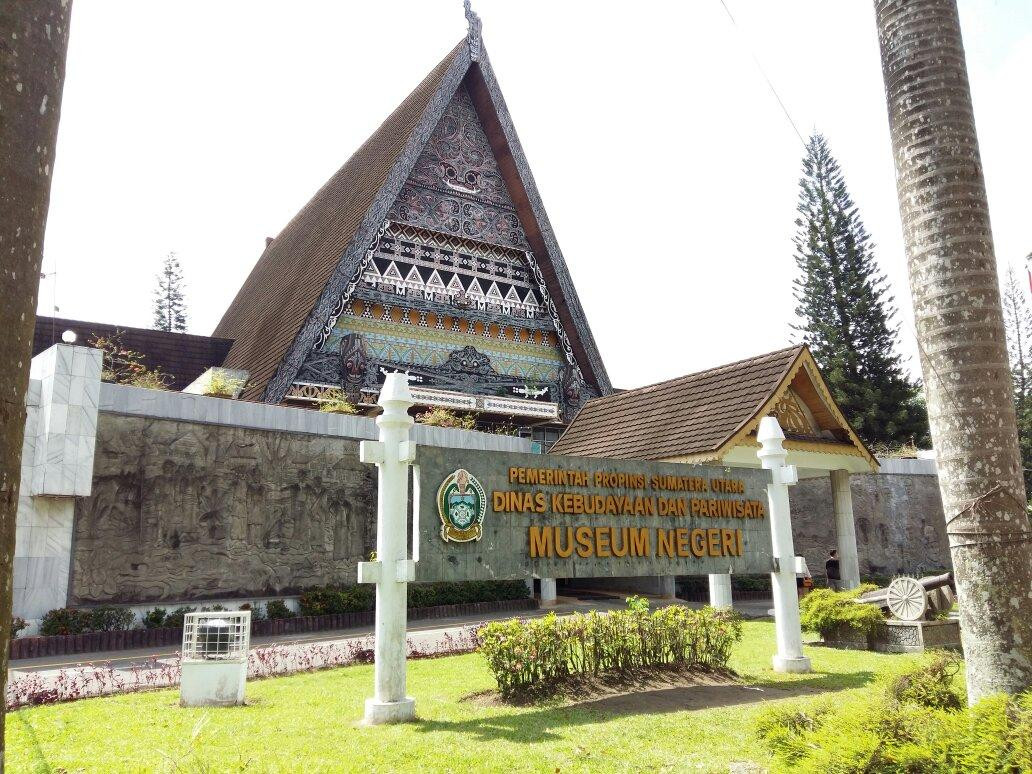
914	599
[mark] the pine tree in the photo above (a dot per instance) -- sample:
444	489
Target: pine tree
845	309
169	305
1017	320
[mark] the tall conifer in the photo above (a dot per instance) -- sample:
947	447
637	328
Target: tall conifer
169	304
1017	320
845	310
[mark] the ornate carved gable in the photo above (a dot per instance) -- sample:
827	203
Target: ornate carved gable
456	187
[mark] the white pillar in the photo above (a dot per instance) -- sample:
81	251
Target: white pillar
548	592
720	591
667	586
789	656
392	570
845	529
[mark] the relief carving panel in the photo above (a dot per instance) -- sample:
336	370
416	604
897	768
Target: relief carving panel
182	510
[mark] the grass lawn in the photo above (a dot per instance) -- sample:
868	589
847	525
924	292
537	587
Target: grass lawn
307	723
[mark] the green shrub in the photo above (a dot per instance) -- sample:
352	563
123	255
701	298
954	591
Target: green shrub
442	417
540	652
336	402
71	620
932	684
914	722
154	618
174	620
257	611
786	730
108	618
277	608
826	611
17	624
65	620
221	385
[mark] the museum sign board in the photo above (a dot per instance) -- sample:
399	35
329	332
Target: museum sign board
502	515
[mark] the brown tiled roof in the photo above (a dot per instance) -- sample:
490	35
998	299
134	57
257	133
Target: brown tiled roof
181	356
284	286
693	414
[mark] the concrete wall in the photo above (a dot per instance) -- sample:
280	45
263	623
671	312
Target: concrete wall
188	498
900	527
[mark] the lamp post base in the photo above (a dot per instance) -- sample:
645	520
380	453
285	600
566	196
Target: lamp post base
791	665
379	712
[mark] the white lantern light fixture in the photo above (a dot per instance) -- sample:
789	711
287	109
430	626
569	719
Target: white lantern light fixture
214	658
68	337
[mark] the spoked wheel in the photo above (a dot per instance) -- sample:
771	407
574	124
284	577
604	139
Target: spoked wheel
907	599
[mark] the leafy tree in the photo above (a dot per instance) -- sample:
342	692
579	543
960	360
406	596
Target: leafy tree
32	73
959	320
169	304
845	310
1017	320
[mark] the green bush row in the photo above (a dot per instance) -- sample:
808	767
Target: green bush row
352	599
318	601
916	721
71	620
524	654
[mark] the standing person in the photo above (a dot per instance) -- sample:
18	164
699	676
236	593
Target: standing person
831	569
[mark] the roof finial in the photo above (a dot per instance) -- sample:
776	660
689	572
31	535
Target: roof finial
473	35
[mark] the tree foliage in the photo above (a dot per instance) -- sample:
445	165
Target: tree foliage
1017	318
846	311
169	303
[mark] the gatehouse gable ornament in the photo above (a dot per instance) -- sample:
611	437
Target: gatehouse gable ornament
461	504
473	35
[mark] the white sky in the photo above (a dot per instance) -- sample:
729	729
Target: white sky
666	166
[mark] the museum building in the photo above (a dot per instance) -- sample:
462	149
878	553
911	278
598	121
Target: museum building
429	252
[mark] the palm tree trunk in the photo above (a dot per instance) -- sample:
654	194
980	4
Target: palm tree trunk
33	45
960	331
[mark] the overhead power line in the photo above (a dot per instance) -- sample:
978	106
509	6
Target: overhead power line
759	67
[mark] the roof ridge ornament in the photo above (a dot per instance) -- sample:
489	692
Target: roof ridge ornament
473	35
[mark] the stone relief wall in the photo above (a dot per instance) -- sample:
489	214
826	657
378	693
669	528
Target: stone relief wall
183	510
900	527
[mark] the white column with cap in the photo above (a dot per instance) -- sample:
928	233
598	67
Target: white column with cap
789	656
392	570
720	591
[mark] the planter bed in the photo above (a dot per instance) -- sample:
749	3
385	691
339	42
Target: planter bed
98	642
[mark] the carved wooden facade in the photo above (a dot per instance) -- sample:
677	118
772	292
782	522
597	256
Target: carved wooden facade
450	291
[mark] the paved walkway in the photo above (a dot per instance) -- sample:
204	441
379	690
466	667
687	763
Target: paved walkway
116	671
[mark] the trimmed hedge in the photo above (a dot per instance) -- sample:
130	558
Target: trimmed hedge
71	620
332	600
543	652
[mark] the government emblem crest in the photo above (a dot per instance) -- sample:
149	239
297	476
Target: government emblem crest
461	504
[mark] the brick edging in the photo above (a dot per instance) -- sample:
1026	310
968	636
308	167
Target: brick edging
98	642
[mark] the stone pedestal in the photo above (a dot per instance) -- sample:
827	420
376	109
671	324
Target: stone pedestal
900	637
212	683
917	636
548	592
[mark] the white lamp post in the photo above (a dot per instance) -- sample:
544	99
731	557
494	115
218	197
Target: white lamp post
772	454
392	570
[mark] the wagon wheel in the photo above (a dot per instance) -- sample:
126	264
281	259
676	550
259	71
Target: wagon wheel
906	599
